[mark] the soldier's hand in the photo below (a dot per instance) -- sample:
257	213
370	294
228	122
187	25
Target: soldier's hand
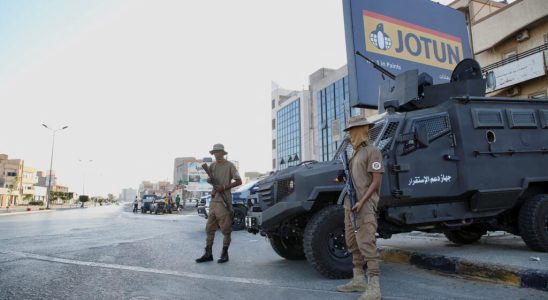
358	206
219	188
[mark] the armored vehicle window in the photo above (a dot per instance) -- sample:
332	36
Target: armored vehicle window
487	118
387	136
375	131
522	118
543	117
436	126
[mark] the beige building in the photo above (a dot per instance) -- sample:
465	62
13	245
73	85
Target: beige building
29	180
510	41
11	171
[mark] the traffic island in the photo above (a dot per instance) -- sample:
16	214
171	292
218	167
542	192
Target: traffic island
498	258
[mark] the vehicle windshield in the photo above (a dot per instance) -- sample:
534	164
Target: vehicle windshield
247	186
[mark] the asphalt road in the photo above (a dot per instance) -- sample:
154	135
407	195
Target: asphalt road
111	253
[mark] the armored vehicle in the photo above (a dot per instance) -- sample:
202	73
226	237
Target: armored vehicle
456	162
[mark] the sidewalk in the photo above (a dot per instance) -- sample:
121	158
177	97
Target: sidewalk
498	257
22	209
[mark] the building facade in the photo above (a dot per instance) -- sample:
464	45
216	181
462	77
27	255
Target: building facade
308	124
11	173
292	137
513	54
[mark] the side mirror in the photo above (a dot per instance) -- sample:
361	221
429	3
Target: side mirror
421	136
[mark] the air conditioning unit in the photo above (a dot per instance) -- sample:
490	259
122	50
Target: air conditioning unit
522	35
513	91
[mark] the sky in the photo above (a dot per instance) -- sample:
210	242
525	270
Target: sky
139	83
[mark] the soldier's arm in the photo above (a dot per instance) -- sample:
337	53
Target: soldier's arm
373	187
233	184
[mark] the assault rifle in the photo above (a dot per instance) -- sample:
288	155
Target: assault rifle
349	188
215	182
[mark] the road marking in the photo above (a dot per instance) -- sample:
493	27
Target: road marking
159	271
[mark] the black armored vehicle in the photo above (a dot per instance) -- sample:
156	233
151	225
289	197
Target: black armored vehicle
456	162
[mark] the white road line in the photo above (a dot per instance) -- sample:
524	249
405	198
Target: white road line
157	271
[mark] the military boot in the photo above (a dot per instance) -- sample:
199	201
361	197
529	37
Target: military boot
208	255
373	291
357	284
224	256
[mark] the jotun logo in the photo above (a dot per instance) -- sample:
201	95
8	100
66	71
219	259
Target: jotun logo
412	42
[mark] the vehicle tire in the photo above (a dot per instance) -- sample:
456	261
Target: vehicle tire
288	248
533	222
465	235
238	222
325	244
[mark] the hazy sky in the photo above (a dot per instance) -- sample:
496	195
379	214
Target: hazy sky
142	82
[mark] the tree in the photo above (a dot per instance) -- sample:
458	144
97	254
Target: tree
13	187
83	199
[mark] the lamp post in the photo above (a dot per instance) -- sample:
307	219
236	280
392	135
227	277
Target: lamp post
53	131
84	174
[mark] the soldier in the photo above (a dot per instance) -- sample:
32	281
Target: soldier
220	208
366	168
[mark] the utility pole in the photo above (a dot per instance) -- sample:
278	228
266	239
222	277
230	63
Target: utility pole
53	131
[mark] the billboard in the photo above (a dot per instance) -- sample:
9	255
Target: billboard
400	35
515	72
197	178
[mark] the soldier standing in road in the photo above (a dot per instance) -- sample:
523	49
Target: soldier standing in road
220	207
366	168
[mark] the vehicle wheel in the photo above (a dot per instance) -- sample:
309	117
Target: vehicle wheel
465	235
325	244
238	223
288	248
533	222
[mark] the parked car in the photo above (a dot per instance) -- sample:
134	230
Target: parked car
159	206
239	204
202	203
146	202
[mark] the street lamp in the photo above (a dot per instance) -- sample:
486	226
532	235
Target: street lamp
84	174
53	131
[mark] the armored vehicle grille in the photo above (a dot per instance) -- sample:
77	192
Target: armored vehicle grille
265	194
435	127
387	136
375	131
284	188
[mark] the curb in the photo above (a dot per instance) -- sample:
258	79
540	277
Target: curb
517	277
25	212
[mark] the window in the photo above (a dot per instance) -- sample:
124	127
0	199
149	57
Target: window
509	53
12	174
288	130
273	103
273	124
333	105
273	164
546	38
538	95
273	144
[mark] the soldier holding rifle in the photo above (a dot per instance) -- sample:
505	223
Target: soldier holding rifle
365	168
223	176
